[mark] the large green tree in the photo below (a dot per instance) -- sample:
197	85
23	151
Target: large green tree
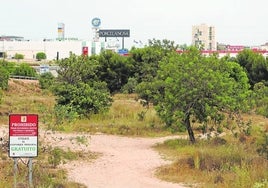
190	85
78	88
255	65
114	70
146	60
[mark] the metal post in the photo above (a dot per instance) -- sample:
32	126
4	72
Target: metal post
15	171
123	47
30	163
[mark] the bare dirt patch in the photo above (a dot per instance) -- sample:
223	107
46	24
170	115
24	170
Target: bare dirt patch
123	161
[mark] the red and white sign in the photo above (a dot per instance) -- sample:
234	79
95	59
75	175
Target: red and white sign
23	135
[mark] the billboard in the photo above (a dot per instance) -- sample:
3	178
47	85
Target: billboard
114	33
23	135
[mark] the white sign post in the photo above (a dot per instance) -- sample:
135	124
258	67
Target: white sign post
23	139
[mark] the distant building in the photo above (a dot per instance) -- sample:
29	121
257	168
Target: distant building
204	36
54	49
61	31
264	46
11	38
235	47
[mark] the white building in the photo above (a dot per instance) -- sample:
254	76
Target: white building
54	49
204	36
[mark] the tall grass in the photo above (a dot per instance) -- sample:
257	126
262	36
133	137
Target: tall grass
127	116
45	171
221	162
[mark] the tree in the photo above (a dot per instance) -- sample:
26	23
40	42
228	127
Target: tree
40	56
145	63
78	69
255	65
146	60
190	85
18	56
130	86
78	88
261	98
85	99
165	45
114	70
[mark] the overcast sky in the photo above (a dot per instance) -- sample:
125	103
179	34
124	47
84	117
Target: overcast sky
237	22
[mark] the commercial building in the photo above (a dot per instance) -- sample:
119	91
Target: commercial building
54	49
203	36
58	48
61	31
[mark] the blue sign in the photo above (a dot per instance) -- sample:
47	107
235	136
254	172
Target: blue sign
123	51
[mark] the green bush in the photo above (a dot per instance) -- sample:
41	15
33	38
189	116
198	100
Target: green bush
18	56
4	76
40	56
46	80
130	86
25	70
85	99
9	66
64	114
55	158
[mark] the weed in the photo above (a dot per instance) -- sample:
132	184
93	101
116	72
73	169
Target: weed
82	140
220	162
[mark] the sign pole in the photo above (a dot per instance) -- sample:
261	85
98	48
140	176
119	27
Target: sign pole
30	163
15	171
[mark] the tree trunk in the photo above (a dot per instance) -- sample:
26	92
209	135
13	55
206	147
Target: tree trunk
189	129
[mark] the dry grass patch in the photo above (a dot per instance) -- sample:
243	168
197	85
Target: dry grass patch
214	163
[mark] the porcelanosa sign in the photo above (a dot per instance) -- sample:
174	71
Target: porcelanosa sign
23	135
114	33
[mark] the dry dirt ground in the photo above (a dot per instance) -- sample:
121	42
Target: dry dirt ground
124	162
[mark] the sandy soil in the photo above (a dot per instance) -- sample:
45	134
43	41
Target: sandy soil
124	162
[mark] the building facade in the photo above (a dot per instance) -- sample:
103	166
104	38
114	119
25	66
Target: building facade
203	36
54	49
61	31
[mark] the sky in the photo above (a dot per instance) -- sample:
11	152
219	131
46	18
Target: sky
237	22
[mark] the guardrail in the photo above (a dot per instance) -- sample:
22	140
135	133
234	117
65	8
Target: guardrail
23	77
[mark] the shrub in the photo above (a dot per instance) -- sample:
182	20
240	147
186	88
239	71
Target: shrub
130	86
18	56
4	76
64	114
24	70
40	56
46	80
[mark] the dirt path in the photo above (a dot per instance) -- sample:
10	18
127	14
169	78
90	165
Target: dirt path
126	162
